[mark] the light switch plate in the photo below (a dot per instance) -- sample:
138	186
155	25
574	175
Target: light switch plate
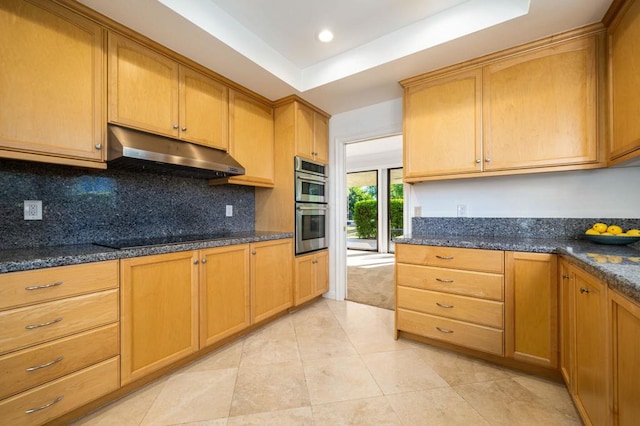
229	211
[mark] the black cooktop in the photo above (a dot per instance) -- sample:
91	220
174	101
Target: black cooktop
160	241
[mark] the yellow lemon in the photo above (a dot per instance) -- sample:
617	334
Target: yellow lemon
634	259
592	232
606	233
600	227
633	232
614	229
614	259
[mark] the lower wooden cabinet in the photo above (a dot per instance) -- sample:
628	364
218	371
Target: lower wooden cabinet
271	278
567	326
625	327
159	302
311	276
531	304
225	292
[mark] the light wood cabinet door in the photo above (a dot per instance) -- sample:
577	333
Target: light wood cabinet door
52	89
251	140
311	276
567	324
224	292
624	63
540	108
271	278
159	305
304	132
442	126
204	117
591	348
626	353
321	138
531	304
143	87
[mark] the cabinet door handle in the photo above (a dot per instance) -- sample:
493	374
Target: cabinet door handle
44	324
184	129
195	261
39	287
565	277
47	364
444	306
443	280
175	126
444	330
584	290
204	260
444	257
253	252
98	146
488	159
478	161
42	407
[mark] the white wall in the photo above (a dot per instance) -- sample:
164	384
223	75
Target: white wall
611	193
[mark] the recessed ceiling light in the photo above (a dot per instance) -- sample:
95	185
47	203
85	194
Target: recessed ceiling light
325	36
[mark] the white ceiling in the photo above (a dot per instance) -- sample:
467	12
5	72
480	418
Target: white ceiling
269	46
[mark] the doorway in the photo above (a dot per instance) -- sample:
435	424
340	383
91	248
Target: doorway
374	215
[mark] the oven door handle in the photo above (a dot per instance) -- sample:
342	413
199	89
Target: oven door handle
312	208
312	179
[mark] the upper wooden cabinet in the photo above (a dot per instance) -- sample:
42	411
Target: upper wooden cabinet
534	110
624	62
442	126
312	133
152	92
251	140
51	84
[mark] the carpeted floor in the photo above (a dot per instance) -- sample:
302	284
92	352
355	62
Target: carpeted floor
370	278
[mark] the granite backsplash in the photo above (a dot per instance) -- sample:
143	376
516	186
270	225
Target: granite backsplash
82	205
565	228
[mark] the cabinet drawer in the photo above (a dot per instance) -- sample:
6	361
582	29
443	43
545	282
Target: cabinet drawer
456	332
37	365
28	287
478	311
466	283
70	392
48	321
451	257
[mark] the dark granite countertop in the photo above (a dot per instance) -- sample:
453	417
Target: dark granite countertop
25	259
617	266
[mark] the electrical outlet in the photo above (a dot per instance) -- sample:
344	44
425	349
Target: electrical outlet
417	211
32	210
229	212
462	210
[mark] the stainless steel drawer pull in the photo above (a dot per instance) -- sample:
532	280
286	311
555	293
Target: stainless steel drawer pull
444	306
44	324
444	330
444	257
39	287
42	407
38	367
443	280
584	290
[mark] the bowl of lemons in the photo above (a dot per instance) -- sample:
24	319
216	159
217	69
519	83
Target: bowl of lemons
601	233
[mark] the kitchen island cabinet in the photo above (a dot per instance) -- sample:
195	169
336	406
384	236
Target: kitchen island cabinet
624	62
152	92
159	303
311	276
52	85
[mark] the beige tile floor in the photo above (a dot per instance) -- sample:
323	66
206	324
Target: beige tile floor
336	363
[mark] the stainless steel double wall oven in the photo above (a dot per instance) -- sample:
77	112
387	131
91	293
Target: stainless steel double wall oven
311	205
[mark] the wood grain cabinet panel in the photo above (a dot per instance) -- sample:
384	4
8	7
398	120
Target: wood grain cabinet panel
532	308
311	276
625	326
159	311
442	126
540	108
271	278
225	295
52	87
624	63
451	257
567	324
312	134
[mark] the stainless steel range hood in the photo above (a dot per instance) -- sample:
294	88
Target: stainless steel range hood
136	150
